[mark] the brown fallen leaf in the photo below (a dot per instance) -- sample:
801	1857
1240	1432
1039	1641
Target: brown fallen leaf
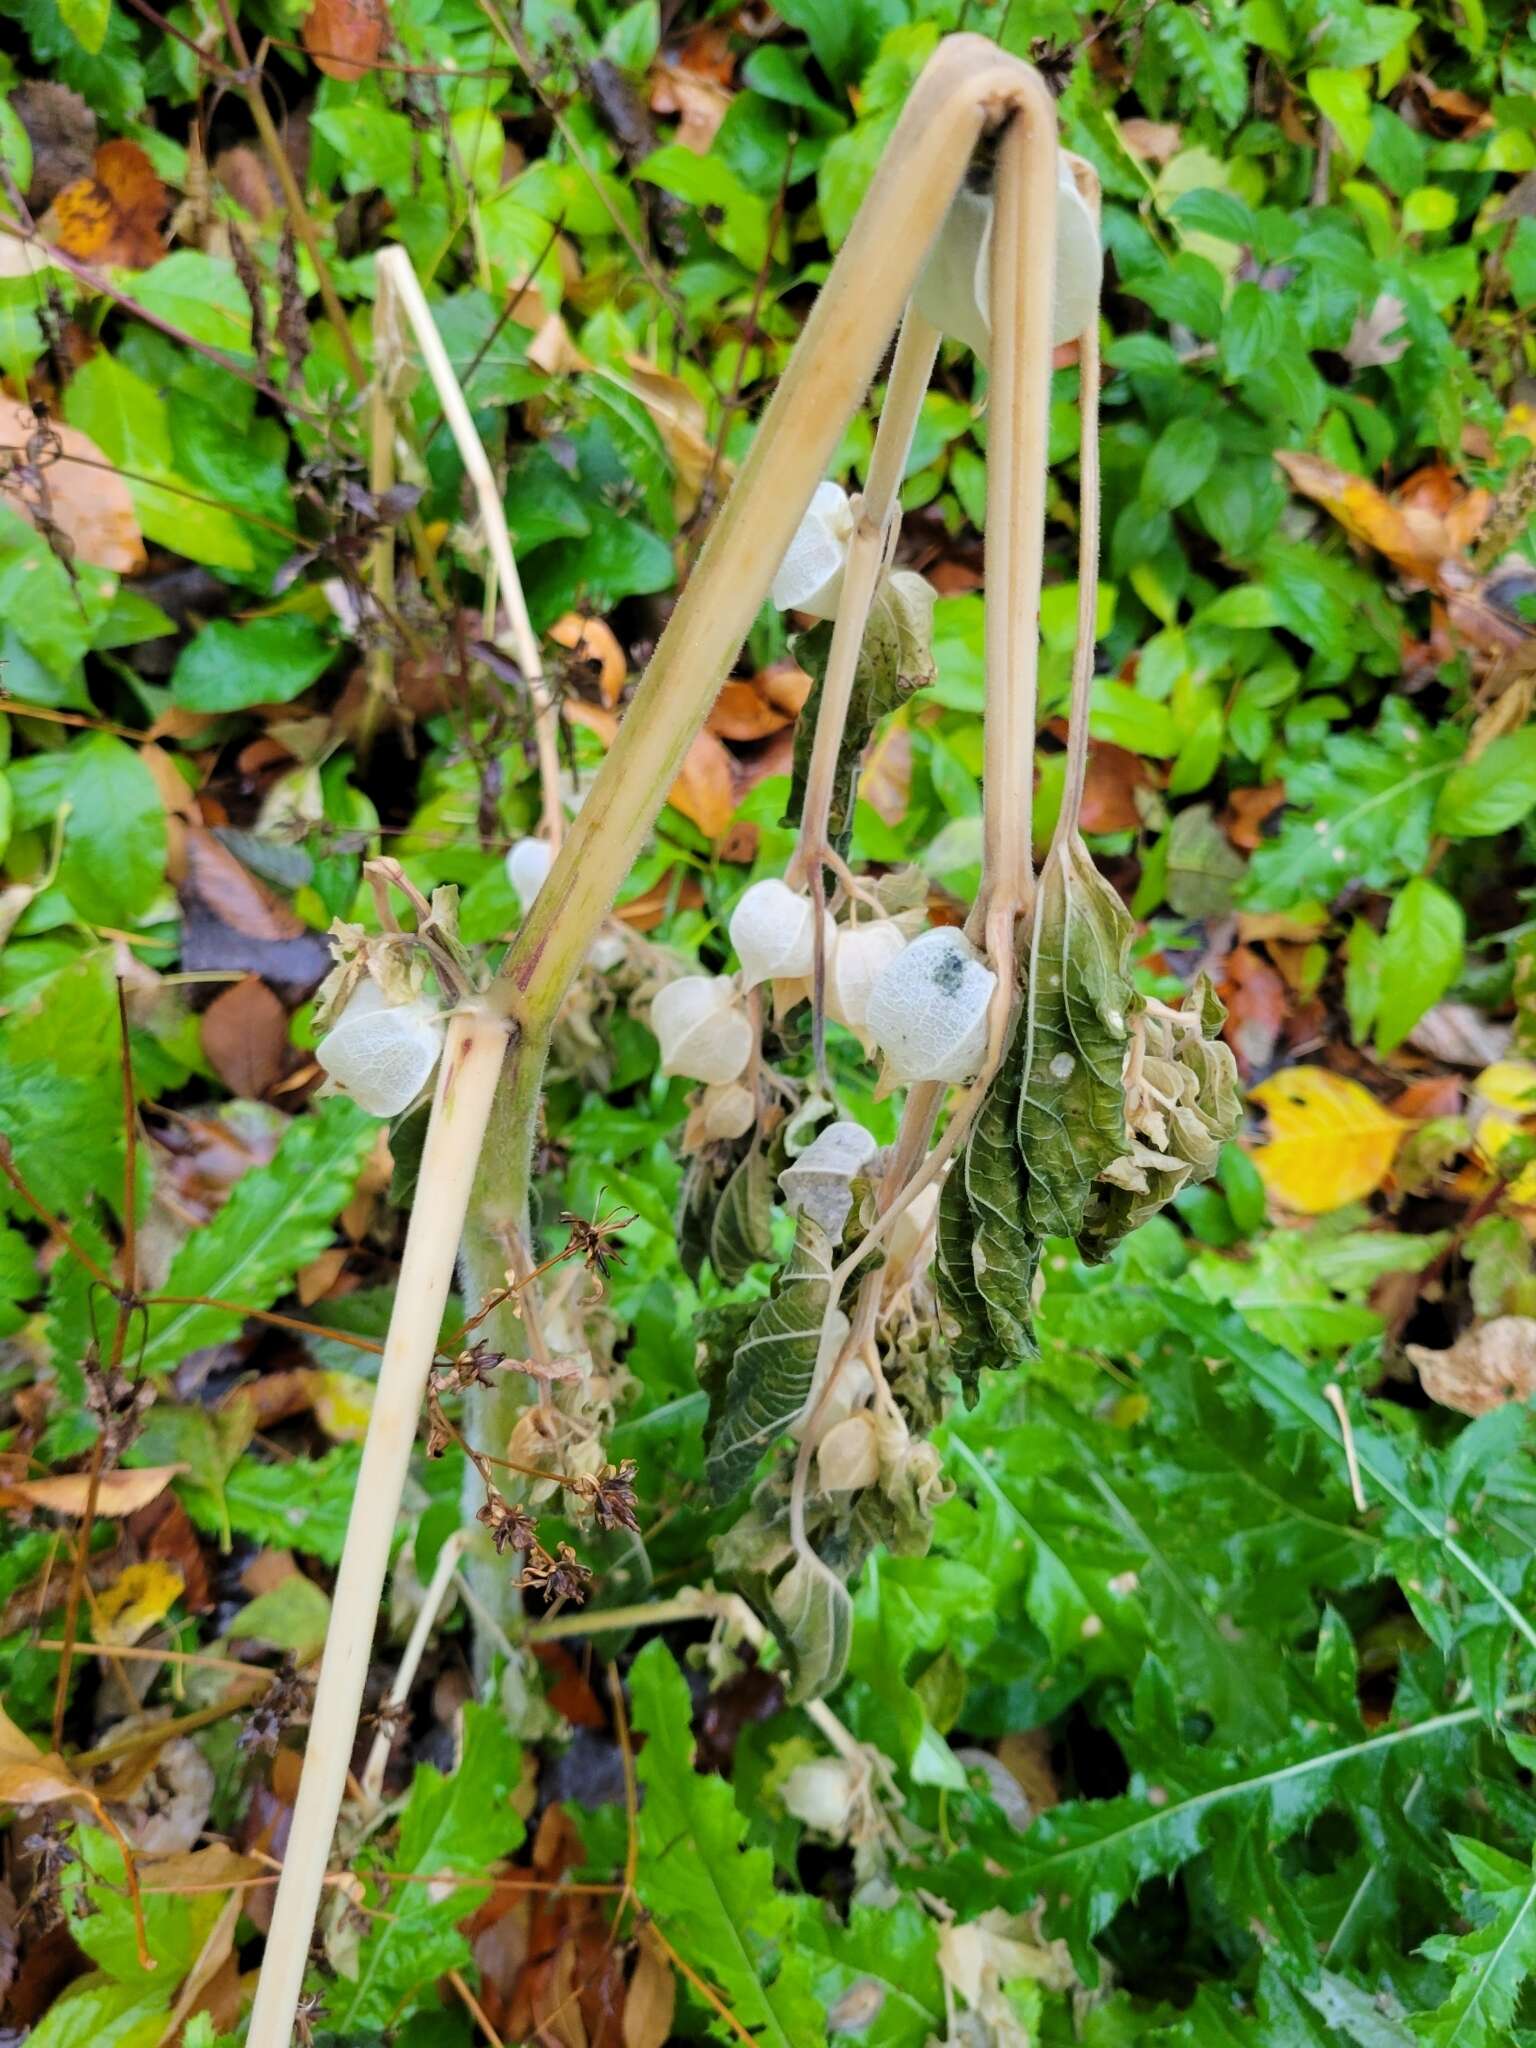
112	216
743	712
120	1492
593	642
704	791
1488	1365
344	37
1256	1008
1110	787
232	920
701	102
245	1036
1246	812
85	498
651	1999
680	420
643	913
1422	531
885	782
1152	141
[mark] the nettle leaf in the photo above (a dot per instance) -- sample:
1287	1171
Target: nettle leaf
770	1376
1490	1965
896	659
710	1894
452	1827
741	1224
1078	1000
278	1218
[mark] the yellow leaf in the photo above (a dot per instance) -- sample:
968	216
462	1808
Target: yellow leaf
138	1598
343	1404
1331	1142
1503	1095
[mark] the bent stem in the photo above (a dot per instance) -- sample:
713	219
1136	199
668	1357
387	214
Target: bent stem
966	87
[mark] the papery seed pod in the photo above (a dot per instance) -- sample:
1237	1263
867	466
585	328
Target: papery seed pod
703	1031
819	1184
772	931
382	1053
848	1456
822	1794
729	1111
954	290
862	952
928	1009
910	1244
810	577
528	864
607	950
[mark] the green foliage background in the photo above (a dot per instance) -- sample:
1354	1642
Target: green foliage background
1290	1737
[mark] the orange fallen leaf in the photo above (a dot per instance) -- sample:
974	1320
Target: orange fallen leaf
680	420
1412	530
592	641
1109	788
1247	810
743	712
344	37
1256	1008
1330	1143
704	790
701	102
886	781
87	500
119	1493
644	912
114	215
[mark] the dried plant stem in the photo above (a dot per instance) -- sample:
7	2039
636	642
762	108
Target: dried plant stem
381	567
967	86
372	1780
466	1085
395	271
1081	705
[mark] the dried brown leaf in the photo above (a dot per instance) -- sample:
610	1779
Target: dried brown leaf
344	37
245	1036
113	215
1488	1365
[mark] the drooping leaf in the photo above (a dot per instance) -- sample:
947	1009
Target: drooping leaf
1077	1006
770	1376
740	1230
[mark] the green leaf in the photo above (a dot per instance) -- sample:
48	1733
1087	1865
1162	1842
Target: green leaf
87	21
113	865
742	222
1492	792
1490	1965
130	422
452	1827
279	1217
1182	457
770	1374
1419	957
741	1222
1343	99
712	1896
1077	1006
200	295
889	1948
264	661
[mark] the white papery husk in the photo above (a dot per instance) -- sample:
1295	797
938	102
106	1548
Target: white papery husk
954	289
810	577
862	953
927	1011
823	1793
381	1053
819	1183
528	864
773	931
703	1031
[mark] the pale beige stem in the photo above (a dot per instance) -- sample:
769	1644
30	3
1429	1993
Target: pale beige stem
879	514
381	570
372	1780
1081	705
466	1085
1019	396
394	267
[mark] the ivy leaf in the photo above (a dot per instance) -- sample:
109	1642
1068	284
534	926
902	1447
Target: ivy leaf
452	1827
896	659
741	1226
770	1377
710	1893
1078	998
1491	1964
278	1218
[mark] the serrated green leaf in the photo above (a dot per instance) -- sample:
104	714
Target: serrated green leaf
712	1896
1491	1965
741	1222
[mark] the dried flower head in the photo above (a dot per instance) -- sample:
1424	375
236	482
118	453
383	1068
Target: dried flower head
590	1242
475	1367
286	1700
118	1404
511	1527
610	1494
560	1578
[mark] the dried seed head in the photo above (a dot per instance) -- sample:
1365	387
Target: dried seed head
703	1030
772	930
862	951
954	290
810	577
380	1053
928	1009
528	864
